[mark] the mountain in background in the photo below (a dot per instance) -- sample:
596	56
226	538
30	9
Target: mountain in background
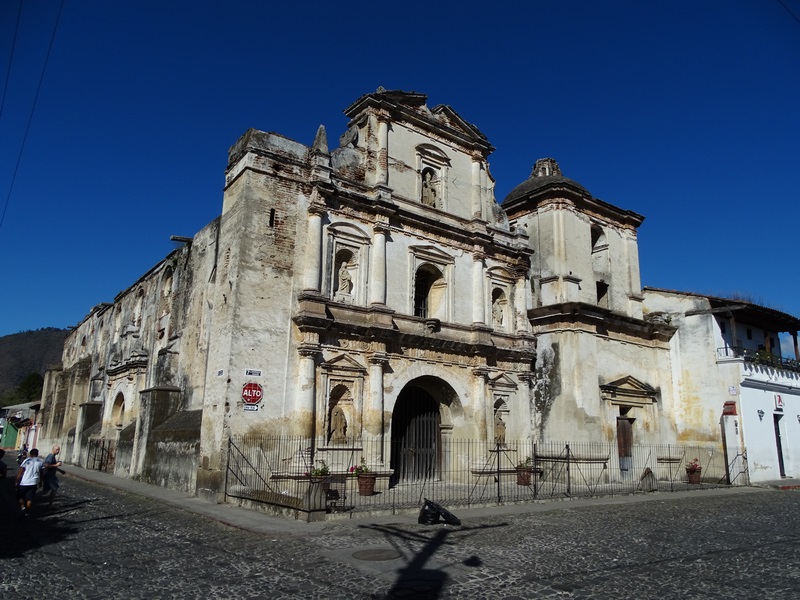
28	352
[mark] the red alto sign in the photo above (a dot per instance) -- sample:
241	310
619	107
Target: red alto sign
252	393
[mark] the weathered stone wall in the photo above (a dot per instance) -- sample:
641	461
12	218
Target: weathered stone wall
124	453
172	452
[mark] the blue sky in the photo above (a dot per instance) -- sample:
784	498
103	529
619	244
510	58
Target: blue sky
685	112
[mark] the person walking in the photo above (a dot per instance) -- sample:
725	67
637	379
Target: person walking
28	480
51	466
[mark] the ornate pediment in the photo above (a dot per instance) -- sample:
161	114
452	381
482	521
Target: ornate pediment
450	117
343	362
348	231
628	391
432	254
502	381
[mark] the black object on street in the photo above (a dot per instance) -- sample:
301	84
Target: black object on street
431	511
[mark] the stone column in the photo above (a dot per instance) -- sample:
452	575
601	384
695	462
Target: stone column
483	411
477	205
376	407
306	408
313	271
521	295
526	378
383	149
478	293
634	276
377	283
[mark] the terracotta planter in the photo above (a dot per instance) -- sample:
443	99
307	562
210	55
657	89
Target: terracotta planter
694	476
323	480
524	477
366	484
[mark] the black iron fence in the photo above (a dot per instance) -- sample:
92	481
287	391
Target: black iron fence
300	474
101	455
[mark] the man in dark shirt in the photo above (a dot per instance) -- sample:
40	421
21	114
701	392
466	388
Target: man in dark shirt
51	466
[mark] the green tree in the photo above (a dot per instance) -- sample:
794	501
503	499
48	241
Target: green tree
28	390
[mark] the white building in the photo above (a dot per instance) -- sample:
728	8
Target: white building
726	360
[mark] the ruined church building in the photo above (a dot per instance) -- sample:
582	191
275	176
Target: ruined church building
378	292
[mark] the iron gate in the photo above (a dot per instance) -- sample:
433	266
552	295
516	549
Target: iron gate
101	454
415	436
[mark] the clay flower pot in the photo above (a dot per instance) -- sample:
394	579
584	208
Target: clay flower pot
366	484
694	476
524	476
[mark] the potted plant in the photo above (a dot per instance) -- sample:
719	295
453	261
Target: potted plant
694	470
321	473
366	478
524	470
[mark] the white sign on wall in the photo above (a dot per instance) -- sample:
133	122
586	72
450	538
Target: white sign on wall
252	372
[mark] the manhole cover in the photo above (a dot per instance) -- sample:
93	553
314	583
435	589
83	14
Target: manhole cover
377	554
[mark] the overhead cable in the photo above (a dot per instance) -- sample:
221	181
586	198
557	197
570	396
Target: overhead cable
30	116
10	59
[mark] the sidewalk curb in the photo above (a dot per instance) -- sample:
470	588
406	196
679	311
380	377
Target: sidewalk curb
261	522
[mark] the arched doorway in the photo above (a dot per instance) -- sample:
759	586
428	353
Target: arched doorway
416	441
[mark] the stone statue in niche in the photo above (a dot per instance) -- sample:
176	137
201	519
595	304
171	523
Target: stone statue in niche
499	430
345	279
345	286
497	313
430	189
338	426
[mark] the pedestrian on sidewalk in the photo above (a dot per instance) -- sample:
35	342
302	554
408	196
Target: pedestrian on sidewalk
28	480
51	466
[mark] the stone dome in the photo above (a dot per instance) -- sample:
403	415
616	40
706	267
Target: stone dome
545	173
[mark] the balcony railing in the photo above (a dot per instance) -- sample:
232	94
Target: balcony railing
759	357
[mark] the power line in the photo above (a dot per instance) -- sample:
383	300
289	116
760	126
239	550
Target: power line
794	16
10	59
30	116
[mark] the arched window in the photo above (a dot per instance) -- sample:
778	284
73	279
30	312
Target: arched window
118	411
429	292
598	238
165	303
430	283
601	265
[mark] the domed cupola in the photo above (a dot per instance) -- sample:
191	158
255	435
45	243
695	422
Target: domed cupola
545	175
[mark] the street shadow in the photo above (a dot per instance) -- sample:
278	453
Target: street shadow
46	524
22	534
415	580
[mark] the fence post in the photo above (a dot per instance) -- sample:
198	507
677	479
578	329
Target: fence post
497	468
671	477
569	480
227	470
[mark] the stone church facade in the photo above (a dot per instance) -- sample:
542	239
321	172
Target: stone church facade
367	291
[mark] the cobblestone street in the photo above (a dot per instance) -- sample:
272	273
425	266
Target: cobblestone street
101	542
